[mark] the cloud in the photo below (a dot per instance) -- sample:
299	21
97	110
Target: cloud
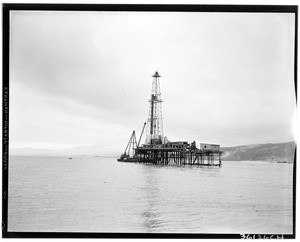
85	77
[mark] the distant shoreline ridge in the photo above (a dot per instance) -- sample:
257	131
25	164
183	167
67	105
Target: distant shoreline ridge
277	152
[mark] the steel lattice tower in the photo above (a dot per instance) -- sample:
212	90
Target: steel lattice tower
154	133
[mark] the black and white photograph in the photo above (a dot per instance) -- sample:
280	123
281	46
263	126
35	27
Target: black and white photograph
150	121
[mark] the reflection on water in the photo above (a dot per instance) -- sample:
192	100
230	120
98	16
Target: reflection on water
102	195
151	187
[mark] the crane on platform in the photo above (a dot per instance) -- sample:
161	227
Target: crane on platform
130	148
141	134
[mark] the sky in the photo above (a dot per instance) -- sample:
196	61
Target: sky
84	78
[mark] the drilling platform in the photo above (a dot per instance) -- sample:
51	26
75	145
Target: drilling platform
157	149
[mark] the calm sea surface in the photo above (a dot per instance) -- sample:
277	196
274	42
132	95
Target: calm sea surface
96	194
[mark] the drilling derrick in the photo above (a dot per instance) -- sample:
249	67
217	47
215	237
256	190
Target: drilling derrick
154	133
159	150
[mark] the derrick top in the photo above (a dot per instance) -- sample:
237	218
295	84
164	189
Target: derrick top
156	74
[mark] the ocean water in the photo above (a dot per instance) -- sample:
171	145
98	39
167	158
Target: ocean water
96	194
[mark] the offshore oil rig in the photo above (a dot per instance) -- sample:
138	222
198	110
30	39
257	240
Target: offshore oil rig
157	149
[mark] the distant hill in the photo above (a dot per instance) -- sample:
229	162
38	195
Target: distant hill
281	152
259	152
93	150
